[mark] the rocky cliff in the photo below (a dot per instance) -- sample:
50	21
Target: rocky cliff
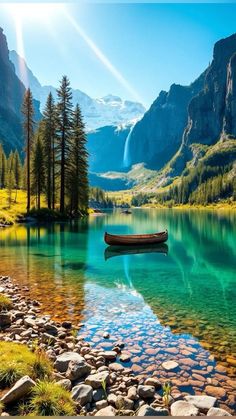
212	111
158	135
11	97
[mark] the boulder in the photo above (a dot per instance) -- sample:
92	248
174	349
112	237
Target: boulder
21	388
51	329
152	381
124	403
215	411
203	403
96	380
147	410
146	392
106	411
82	394
77	369
65	383
183	408
62	362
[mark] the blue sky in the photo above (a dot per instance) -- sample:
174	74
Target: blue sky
130	50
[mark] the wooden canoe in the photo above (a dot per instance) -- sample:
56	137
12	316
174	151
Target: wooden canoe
135	239
112	251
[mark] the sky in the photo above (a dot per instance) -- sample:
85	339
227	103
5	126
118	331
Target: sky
133	50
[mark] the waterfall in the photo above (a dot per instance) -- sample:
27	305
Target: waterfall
127	157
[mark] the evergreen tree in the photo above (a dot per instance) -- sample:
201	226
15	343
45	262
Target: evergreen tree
17	169
38	171
77	167
3	168
64	110
10	178
28	125
48	138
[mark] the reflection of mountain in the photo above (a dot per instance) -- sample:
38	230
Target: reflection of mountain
39	260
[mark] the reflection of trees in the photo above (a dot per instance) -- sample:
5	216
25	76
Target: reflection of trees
41	257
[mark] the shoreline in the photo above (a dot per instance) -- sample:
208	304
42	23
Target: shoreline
106	387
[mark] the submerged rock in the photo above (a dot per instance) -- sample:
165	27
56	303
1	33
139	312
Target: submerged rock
170	365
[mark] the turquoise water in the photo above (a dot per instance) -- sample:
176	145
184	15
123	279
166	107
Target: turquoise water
181	294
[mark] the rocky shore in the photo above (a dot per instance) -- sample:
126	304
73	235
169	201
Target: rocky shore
98	381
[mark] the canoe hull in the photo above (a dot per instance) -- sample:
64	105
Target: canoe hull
136	239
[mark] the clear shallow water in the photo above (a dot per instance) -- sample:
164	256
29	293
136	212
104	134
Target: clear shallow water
179	304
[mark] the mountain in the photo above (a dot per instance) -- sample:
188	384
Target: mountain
108	110
11	96
203	169
158	135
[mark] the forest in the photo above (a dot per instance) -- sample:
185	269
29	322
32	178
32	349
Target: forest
55	163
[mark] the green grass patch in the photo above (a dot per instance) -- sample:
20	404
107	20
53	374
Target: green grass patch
5	302
17	360
50	399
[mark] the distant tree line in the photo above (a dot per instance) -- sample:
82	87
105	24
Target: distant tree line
202	185
56	158
98	199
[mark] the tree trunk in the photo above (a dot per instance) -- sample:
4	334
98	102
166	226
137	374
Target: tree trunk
28	162
62	197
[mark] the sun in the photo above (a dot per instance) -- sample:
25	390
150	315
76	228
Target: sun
34	12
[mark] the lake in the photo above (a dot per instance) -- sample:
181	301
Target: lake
174	303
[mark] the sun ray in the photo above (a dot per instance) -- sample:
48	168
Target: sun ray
103	59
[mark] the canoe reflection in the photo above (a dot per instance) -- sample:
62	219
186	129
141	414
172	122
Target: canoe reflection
112	251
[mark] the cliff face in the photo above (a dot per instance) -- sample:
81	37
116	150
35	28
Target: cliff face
212	111
11	97
158	135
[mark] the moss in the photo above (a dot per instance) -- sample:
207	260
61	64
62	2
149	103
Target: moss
50	399
5	302
17	360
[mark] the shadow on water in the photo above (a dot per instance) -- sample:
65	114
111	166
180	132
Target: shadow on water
112	251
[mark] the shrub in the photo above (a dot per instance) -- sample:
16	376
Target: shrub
50	399
17	360
5	302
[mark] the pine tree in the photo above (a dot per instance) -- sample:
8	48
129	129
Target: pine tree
28	125
49	139
38	171
77	167
3	168
64	109
10	178
17	169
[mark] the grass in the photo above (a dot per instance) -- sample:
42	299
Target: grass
8	215
1	407
50	399
17	360
5	302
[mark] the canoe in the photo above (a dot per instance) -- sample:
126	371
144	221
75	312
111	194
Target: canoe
135	239
112	251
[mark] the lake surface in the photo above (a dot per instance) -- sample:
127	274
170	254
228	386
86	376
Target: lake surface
176	303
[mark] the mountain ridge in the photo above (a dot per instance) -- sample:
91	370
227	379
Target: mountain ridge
108	110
